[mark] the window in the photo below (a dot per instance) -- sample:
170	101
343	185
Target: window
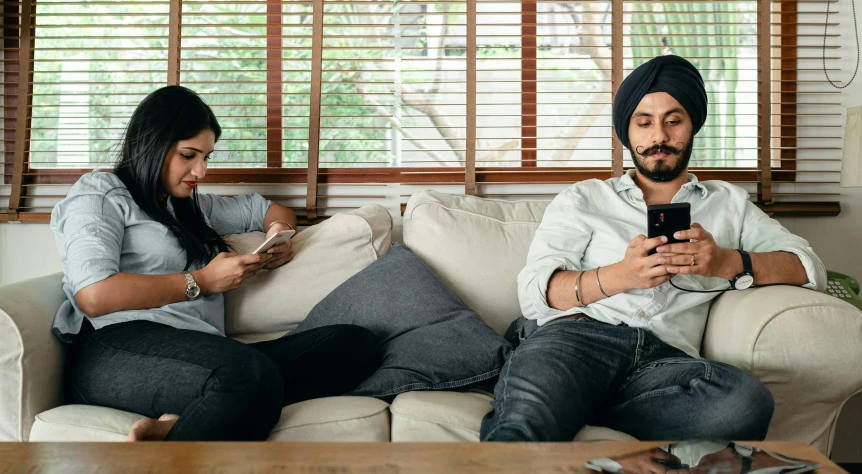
494	97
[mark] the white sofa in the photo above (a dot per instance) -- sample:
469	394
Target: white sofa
805	346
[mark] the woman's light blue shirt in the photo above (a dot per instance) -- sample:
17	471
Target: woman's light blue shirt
101	231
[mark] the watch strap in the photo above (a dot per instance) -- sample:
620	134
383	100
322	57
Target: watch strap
190	281
746	262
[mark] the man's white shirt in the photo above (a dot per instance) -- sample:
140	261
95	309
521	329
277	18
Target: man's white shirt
591	224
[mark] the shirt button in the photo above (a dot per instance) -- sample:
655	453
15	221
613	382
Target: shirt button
641	314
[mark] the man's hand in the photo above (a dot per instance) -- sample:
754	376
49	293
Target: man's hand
701	256
281	253
638	269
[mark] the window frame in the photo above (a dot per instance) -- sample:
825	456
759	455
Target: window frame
20	175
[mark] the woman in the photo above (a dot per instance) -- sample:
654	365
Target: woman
145	268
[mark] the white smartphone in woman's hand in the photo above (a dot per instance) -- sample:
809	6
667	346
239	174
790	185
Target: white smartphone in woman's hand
274	240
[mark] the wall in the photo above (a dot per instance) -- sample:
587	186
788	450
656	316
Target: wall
26	251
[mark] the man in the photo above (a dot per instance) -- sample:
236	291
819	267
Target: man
607	339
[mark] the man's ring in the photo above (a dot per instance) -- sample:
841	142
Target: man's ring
692	260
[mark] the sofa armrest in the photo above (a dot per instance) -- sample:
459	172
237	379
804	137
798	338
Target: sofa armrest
804	345
31	358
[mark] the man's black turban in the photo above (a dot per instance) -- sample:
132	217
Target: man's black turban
671	74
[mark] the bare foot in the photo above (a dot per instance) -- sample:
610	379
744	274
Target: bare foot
149	429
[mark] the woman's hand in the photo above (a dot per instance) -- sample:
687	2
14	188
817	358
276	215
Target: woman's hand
281	253
228	270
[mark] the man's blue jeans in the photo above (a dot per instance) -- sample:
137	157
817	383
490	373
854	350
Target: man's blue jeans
569	373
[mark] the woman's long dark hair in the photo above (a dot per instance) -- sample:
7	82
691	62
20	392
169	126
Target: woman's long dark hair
164	117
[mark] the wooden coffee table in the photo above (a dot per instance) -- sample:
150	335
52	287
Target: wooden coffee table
442	458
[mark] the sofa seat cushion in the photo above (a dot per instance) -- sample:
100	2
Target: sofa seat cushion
323	419
457	416
334	419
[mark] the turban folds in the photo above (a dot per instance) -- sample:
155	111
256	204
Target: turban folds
671	74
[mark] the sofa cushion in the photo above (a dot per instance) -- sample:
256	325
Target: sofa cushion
323	419
476	246
457	416
429	338
275	301
334	419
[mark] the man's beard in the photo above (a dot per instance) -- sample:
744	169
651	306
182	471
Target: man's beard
662	172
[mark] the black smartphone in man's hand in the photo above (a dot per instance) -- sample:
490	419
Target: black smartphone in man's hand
666	219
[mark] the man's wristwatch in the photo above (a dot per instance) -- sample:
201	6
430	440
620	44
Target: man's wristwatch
747	455
193	291
746	278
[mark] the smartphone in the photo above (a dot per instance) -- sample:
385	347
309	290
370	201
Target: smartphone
665	219
276	239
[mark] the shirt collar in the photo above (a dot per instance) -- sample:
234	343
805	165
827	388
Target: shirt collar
626	182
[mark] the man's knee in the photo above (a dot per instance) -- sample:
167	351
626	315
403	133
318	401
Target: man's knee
746	409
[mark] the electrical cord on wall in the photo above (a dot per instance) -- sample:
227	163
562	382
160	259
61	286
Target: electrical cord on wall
856	29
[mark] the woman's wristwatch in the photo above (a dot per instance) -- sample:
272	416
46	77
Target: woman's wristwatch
193	291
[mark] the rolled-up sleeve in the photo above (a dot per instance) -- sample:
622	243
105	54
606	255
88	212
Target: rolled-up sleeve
559	244
235	214
88	230
761	233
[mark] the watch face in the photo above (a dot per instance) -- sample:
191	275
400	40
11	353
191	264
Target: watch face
193	292
743	282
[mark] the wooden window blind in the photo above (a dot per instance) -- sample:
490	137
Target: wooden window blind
327	104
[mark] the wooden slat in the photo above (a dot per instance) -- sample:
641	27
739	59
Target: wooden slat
274	79
470	154
528	85
10	92
616	77
314	110
22	124
175	29
764	96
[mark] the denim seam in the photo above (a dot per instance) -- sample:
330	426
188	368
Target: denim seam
185	416
75	388
328	337
210	372
437	386
676	388
152	356
638	348
499	407
650	394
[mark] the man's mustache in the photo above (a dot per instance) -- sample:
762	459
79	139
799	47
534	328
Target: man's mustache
662	148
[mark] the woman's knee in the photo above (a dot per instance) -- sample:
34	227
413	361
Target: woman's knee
253	377
358	347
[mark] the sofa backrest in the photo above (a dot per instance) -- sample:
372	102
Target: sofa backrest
477	246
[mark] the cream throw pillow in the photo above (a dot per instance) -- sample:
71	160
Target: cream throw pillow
476	246
327	254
